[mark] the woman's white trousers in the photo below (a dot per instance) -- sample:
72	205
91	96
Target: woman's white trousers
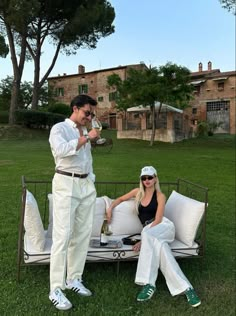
155	253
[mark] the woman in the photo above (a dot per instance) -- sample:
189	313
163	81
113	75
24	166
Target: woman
156	235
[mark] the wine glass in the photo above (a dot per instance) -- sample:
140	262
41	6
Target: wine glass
98	125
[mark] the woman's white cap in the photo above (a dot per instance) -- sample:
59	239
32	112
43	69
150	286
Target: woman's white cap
148	171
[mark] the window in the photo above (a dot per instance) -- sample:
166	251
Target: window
100	99
197	89
221	86
161	121
59	92
194	110
217	106
83	88
112	96
194	122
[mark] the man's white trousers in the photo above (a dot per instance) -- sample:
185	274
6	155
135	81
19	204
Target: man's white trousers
73	213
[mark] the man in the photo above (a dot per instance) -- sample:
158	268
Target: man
74	197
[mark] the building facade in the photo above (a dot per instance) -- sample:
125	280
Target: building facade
214	95
94	83
214	98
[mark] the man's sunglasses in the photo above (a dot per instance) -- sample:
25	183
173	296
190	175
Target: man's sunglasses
88	113
143	178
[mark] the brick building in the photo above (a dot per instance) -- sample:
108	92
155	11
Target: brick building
214	95
214	98
94	83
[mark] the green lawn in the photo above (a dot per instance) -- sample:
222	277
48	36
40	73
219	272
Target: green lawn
206	161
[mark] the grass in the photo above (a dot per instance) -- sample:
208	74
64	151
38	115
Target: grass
206	161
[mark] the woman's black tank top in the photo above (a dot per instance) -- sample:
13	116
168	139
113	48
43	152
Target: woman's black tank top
148	212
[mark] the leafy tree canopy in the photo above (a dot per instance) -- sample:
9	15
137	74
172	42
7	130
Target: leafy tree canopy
4	50
229	5
67	24
166	84
25	94
73	23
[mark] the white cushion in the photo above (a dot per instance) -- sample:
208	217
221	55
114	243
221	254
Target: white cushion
33	223
50	222
125	219
98	216
186	214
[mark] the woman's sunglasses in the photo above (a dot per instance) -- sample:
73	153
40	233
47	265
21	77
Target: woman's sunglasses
143	178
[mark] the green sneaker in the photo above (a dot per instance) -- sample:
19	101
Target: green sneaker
146	293
192	297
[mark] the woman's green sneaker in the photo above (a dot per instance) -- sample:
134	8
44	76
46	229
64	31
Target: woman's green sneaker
146	293
192	297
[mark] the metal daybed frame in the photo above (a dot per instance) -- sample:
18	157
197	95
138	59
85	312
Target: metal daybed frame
41	189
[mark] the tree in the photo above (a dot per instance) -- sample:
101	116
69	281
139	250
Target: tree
4	50
229	5
5	93
166	84
25	94
14	18
68	25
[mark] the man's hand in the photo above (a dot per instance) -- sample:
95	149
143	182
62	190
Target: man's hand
94	133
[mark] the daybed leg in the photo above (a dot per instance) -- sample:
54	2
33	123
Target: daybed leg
117	268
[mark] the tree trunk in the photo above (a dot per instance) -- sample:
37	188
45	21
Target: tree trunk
14	99
17	70
152	107
35	98
38	84
153	111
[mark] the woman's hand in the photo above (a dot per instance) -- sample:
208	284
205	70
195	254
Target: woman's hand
137	246
154	223
108	214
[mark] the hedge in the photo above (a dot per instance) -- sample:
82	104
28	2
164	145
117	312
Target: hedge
38	119
4	117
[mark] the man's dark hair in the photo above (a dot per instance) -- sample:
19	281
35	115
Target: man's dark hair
82	99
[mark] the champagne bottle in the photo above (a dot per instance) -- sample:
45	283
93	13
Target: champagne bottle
104	231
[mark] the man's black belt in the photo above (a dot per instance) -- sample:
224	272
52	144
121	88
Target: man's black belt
72	174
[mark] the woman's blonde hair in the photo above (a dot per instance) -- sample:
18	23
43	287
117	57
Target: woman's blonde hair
141	192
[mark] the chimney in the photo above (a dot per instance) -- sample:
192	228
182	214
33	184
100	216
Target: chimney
209	65
81	69
200	67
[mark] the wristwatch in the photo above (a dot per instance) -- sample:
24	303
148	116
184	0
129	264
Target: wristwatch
87	137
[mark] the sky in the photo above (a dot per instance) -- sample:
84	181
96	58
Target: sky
184	32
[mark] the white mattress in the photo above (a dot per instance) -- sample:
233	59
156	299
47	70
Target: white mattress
98	254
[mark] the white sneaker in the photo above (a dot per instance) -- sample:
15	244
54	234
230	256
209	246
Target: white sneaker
58	299
78	287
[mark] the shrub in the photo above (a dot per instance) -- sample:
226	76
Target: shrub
37	119
53	118
207	128
105	125
202	128
59	108
4	117
212	127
